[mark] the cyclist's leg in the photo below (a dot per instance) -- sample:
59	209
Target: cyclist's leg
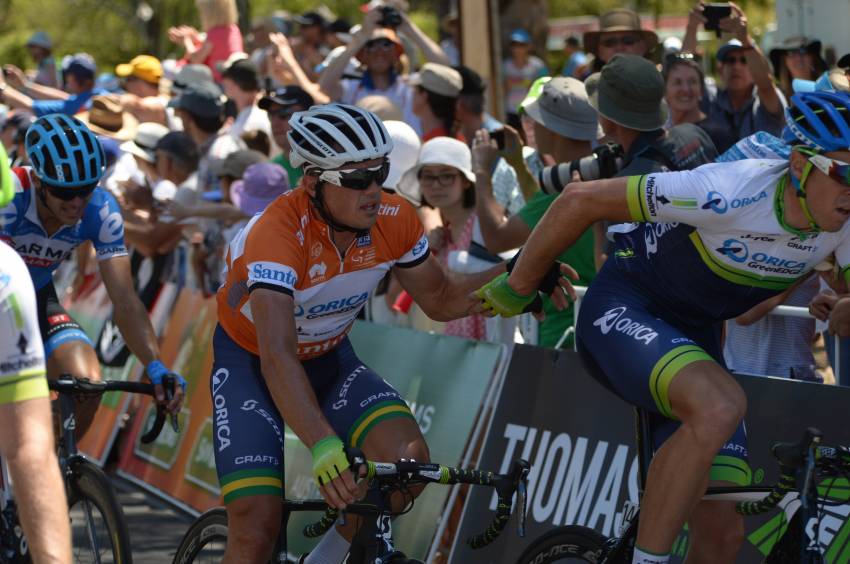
248	439
68	350
368	413
661	369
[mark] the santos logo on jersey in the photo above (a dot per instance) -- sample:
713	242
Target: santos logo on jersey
272	273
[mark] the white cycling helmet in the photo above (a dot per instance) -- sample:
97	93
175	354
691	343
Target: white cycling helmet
330	136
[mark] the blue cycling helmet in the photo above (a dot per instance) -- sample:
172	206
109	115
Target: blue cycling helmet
64	152
819	120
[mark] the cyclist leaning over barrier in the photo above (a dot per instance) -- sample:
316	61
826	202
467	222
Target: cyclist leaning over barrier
59	207
708	245
26	431
297	275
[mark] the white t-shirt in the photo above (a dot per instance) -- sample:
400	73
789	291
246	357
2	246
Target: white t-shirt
251	118
399	93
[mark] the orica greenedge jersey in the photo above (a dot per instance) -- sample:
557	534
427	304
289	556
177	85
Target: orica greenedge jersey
21	228
711	242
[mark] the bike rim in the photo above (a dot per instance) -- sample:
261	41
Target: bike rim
91	539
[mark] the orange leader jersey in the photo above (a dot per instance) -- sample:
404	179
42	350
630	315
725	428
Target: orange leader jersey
287	248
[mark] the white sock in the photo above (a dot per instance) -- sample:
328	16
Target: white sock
331	549
641	557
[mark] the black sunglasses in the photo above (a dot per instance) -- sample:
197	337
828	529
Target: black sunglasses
358	178
68	194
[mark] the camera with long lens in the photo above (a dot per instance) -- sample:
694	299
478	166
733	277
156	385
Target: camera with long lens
390	17
605	162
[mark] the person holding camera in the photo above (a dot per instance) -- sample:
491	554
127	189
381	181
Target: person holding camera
749	102
377	46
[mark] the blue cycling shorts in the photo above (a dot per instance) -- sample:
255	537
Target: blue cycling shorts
248	429
634	348
57	327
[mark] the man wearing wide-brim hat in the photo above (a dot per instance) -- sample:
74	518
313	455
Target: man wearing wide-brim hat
619	32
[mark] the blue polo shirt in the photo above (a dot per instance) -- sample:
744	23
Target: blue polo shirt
70	106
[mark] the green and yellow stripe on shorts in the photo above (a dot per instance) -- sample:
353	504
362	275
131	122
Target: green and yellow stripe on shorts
376	414
666	369
243	483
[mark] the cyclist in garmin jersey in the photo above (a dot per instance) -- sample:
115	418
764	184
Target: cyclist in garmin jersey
26	432
297	275
58	207
707	245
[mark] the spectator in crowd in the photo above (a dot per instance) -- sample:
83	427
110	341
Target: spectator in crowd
619	32
280	105
222	38
140	79
286	70
450	44
310	48
797	58
40	48
443	179
136	167
576	58
749	102
190	75
78	76
469	113
12	134
519	71
382	107
684	89
106	117
339	34
241	83
201	108
258	141
379	49
436	89
260	184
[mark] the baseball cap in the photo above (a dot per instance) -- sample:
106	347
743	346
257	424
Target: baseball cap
309	19
203	100
844	62
438	151
728	47
81	65
405	153
438	79
260	185
563	107
189	75
40	39
286	96
234	164
145	67
520	36
143	145
630	91
471	80
180	145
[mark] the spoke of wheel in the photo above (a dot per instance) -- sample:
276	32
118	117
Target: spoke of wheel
92	534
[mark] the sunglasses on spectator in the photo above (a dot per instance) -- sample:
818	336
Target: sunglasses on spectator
283	113
379	45
445	179
68	194
835	169
357	178
624	40
741	59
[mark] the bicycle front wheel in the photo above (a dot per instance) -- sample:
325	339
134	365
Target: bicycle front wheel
563	545
205	540
98	529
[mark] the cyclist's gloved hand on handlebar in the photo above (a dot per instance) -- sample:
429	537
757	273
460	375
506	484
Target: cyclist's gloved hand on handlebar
331	471
158	374
496	296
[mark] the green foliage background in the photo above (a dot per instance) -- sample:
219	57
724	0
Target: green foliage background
111	32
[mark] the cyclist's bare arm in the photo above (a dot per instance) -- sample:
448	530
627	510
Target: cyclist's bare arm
277	338
571	214
132	318
443	296
26	440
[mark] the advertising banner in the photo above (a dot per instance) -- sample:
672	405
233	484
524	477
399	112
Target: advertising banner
579	438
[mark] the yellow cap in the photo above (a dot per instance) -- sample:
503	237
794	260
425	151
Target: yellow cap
145	67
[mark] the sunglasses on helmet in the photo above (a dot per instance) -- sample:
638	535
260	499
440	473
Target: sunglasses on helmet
68	194
357	178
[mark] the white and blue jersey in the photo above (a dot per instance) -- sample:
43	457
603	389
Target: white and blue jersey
759	145
21	228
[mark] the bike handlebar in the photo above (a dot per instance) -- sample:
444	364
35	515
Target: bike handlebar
411	472
81	386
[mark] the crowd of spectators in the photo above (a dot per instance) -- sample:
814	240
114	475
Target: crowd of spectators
198	145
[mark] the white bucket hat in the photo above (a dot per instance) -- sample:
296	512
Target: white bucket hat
143	144
438	151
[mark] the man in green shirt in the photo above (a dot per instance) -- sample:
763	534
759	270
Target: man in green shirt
565	125
280	104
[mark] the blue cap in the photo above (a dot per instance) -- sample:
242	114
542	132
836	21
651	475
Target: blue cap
81	65
520	36
728	47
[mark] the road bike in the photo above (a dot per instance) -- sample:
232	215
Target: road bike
206	538
98	528
811	477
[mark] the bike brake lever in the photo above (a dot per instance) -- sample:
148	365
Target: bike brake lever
521	501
